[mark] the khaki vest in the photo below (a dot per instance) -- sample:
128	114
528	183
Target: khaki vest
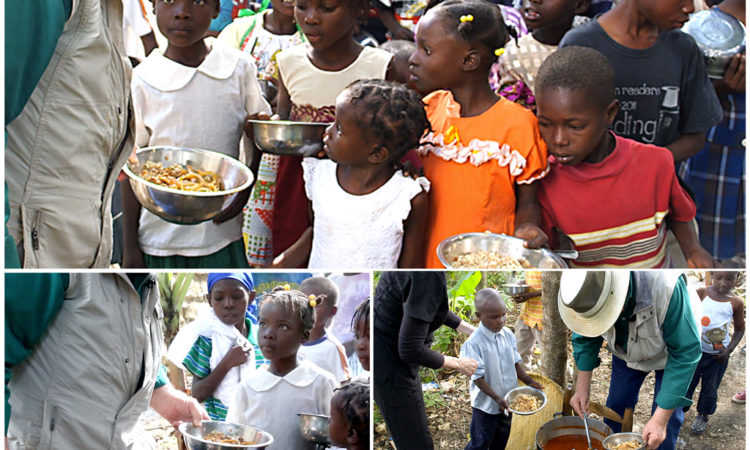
646	347
65	150
79	388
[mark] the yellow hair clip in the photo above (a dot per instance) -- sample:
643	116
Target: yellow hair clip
499	51
466	18
313	303
287	287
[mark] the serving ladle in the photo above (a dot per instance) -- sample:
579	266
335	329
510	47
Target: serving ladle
588	434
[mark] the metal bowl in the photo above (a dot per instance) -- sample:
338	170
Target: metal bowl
515	289
619	438
719	36
314	427
185	207
194	435
527	390
282	137
453	247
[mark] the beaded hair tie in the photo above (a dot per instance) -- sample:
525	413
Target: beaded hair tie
467	18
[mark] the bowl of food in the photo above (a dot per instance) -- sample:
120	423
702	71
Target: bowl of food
215	435
283	137
186	186
314	427
515	289
494	251
525	400
624	441
719	36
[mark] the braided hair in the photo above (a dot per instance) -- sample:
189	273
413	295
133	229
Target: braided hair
485	28
354	398
296	303
362	312
391	112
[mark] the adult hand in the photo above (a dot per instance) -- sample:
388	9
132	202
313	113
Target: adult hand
580	400
733	81
722	356
466	366
655	430
177	406
533	236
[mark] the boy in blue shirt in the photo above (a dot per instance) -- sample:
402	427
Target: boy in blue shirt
499	368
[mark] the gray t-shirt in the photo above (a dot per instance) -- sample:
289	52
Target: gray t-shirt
664	90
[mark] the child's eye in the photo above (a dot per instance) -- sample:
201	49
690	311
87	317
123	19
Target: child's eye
576	127
427	51
199	2
284	327
167	1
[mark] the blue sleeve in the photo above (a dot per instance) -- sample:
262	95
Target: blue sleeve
469	349
224	18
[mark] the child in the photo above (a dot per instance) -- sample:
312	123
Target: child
494	348
272	398
349	426
220	347
322	347
720	306
612	196
361	328
528	331
196	95
485	152
263	36
401	50
359	188
312	76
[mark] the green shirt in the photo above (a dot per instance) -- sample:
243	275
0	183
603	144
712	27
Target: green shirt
680	334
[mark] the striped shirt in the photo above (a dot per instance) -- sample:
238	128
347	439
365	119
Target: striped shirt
531	311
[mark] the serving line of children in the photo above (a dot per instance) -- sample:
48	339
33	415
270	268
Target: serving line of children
488	164
255	374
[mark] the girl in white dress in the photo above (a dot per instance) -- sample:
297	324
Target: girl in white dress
366	213
273	396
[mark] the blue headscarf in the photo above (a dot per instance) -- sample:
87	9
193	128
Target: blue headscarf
243	277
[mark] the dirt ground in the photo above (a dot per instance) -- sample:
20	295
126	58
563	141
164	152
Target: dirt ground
449	408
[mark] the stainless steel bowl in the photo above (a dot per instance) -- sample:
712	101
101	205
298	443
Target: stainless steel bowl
194	435
453	247
282	137
314	427
185	207
619	438
719	36
515	289
527	390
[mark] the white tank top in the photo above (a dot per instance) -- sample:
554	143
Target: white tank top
715	321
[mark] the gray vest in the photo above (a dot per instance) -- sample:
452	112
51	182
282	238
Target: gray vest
93	373
646	347
65	150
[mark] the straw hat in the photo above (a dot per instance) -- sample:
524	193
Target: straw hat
590	301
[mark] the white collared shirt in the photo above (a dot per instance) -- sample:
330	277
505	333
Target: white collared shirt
271	403
200	107
496	355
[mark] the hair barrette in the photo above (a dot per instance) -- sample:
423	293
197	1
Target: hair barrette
499	51
467	18
313	303
287	287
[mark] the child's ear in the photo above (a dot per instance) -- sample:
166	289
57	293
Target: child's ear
334	310
208	299
472	59
217	10
379	155
250	297
581	7
611	111
352	437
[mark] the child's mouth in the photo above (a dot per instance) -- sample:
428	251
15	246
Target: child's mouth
562	159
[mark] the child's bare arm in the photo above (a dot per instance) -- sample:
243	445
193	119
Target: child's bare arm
696	256
738	316
528	216
484	387
298	253
132	256
687	145
284	103
523	376
204	388
412	250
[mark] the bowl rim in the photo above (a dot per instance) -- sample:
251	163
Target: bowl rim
631	434
456	237
285	122
525	389
137	178
183	426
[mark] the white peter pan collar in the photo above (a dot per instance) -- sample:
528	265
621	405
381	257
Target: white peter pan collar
302	376
166	75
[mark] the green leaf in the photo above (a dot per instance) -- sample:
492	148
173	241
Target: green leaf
466	285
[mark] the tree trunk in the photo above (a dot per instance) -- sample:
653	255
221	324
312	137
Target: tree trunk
554	331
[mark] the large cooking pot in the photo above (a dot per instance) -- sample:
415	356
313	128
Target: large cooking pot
571	426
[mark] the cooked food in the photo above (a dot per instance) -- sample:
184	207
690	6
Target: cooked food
630	445
484	259
525	403
183	178
221	438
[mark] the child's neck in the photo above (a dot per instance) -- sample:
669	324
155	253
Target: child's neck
241	327
626	26
192	56
337	57
279	24
316	334
475	96
362	180
282	366
551	36
717	296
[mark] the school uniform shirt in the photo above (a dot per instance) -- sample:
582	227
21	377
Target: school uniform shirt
496	356
271	403
614	211
200	107
328	354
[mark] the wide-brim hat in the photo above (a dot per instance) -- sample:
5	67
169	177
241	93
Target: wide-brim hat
591	301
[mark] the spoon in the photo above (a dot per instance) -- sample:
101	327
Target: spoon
588	435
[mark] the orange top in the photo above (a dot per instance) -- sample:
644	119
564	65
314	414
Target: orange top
473	164
532	311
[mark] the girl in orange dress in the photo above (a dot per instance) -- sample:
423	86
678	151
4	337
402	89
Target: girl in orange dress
484	153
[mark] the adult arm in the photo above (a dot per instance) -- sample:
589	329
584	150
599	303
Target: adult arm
32	301
526	296
412	249
388	17
586	356
176	406
412	349
528	216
